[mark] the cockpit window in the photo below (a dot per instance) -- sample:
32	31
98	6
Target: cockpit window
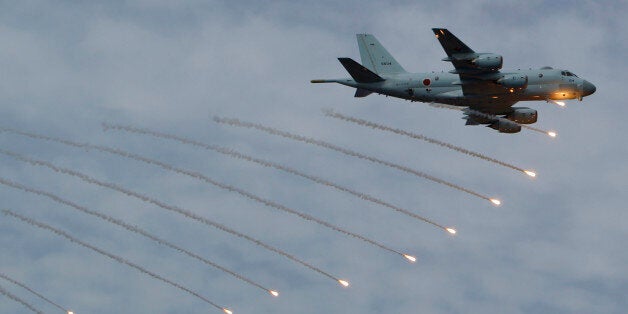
567	73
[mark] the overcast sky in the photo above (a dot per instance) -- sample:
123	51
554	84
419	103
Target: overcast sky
556	245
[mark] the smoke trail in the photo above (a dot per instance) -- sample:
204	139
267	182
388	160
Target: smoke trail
238	123
15	282
18	300
265	163
362	122
550	133
109	255
490	116
128	227
165	206
211	181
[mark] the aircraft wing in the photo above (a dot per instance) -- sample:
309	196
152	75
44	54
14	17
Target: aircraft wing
450	42
494	108
468	63
492	116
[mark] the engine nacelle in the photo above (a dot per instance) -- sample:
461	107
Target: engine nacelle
489	61
505	126
514	81
523	115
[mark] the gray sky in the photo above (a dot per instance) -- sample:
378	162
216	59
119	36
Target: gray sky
556	245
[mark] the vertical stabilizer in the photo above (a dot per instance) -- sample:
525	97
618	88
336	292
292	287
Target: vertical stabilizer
375	57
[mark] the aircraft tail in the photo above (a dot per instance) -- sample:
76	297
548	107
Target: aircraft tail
375	57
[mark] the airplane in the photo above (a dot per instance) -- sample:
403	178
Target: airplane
475	83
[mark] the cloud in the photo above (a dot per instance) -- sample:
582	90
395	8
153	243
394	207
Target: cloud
555	246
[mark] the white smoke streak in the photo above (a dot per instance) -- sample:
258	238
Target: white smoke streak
126	226
25	287
109	255
211	181
165	206
331	113
536	129
269	130
265	163
18	300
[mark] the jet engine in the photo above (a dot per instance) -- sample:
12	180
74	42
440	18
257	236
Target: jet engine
505	126
489	61
522	115
514	81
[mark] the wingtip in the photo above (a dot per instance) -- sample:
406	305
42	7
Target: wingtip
439	32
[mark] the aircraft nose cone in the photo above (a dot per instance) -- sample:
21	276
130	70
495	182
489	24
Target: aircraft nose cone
587	88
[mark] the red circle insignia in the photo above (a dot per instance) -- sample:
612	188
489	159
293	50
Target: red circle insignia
426	82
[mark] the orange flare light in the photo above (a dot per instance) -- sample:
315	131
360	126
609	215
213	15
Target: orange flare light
496	201
227	311
530	173
451	230
551	133
410	258
70	312
343	282
274	293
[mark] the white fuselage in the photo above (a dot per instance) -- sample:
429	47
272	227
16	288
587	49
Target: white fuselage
447	88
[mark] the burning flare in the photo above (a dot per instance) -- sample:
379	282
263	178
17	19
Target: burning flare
556	102
496	201
274	293
410	258
551	133
343	282
227	311
451	230
530	173
70	312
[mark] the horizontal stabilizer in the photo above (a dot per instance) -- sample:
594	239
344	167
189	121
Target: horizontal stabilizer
361	92
358	72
